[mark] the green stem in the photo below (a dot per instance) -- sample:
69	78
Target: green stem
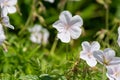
103	71
54	46
107	18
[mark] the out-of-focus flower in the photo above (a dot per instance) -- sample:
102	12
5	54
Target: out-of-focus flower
2	36
5	22
118	36
87	53
51	1
7	6
106	57
39	35
113	73
68	27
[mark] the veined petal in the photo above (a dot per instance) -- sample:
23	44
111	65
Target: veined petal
36	38
11	9
118	41
83	55
2	36
86	46
95	46
76	21
109	53
4	12
64	36
65	17
75	32
114	61
99	56
36	28
12	2
59	26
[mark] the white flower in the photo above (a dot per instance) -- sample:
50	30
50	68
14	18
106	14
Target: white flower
36	38
5	22
45	36
2	36
7	6
51	1
39	35
87	53
113	73
118	36
68	27
106	57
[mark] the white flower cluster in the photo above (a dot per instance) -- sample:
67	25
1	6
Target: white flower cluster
91	54
6	7
39	35
68	28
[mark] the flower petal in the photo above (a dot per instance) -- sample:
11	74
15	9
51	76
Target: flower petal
65	17
85	46
95	46
75	32
109	53
91	62
59	26
2	36
64	36
11	9
99	56
12	2
114	61
4	12
76	21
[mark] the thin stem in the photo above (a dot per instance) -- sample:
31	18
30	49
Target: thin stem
54	46
103	71
107	18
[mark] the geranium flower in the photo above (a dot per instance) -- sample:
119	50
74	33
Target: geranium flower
68	27
39	35
51	1
87	53
118	36
113	73
7	6
2	36
5	22
106	57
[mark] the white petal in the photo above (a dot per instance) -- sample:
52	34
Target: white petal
36	28
119	30
99	56
83	55
5	21
114	61
36	38
91	62
109	53
12	2
76	21
95	46
11	9
65	17
118	41
2	36
45	36
4	12
110	78
64	36
75	32
59	26
51	1
86	46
